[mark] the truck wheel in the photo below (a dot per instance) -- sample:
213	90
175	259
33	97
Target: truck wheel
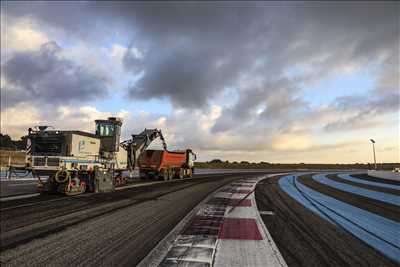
165	174
181	173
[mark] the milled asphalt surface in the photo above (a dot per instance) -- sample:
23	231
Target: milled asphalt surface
305	239
108	229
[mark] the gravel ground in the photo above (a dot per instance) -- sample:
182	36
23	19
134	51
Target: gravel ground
305	239
112	229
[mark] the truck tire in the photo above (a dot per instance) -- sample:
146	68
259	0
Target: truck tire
166	174
181	173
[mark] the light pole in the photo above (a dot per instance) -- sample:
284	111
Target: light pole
373	148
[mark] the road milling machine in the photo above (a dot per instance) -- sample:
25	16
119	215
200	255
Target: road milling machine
77	161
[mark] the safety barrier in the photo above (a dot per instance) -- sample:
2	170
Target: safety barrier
390	175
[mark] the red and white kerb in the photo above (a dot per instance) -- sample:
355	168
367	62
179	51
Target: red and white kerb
226	231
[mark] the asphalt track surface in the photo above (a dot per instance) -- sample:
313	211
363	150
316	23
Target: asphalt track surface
23	184
28	186
308	239
17	187
104	229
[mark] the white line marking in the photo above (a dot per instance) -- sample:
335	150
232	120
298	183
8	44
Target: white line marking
18	197
267	212
12	185
156	182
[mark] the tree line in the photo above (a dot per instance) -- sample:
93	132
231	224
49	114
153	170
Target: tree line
8	144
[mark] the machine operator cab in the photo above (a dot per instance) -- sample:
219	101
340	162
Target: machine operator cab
109	132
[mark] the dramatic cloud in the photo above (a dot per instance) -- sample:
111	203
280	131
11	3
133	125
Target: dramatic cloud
20	36
193	51
239	76
44	77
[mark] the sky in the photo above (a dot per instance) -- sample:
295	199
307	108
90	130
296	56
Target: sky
285	82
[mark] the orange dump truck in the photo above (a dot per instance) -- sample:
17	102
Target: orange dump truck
166	164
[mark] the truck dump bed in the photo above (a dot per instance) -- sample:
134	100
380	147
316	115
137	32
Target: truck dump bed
159	159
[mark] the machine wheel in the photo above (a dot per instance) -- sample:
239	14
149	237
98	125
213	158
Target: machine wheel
76	191
62	176
84	188
120	180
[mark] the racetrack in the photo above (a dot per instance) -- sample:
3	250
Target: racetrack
329	220
315	220
117	228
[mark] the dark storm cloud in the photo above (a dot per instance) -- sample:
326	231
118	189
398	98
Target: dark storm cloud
77	19
192	52
44	77
188	79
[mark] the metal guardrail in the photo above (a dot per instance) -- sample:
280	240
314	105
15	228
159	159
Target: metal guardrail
55	162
